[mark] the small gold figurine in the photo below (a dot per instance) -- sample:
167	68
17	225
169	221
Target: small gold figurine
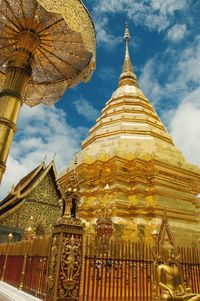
170	279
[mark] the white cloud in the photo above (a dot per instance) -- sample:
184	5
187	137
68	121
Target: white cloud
177	32
84	108
41	131
154	14
149	81
189	63
179	69
168	6
104	35
185	126
14	172
181	74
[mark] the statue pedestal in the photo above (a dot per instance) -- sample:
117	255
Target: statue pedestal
65	261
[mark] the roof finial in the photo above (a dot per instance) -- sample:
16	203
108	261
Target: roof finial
127	36
127	63
45	157
128	76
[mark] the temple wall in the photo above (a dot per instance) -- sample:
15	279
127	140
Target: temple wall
42	204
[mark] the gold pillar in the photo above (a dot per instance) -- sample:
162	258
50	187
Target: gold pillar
21	284
155	258
65	260
10	238
11	97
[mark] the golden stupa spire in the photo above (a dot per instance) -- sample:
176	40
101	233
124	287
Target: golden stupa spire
128	76
127	62
128	116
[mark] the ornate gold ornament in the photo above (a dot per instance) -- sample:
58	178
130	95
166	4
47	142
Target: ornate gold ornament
70	265
46	47
65	260
167	275
52	264
71	197
104	224
170	278
10	237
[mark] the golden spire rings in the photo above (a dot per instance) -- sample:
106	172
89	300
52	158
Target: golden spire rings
128	75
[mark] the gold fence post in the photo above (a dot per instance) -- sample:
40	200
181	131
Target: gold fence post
23	272
155	256
65	261
24	250
28	239
10	238
4	265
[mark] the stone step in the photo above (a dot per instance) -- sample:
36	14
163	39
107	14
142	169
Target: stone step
10	293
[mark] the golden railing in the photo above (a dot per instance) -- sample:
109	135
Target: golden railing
123	270
24	264
190	263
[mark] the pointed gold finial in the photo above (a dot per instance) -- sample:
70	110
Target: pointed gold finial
13	189
127	62
127	36
128	76
75	160
45	157
54	156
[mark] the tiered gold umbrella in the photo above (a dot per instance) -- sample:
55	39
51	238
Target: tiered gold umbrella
46	47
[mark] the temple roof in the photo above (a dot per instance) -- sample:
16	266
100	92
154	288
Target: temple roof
26	185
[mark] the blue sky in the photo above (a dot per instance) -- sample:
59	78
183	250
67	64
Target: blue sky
165	52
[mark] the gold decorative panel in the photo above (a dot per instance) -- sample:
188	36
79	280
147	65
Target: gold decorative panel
41	204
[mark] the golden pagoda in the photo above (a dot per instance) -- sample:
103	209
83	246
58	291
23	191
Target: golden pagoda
130	149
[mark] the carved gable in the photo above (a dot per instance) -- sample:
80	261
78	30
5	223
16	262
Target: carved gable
37	203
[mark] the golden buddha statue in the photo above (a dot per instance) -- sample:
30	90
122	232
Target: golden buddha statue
170	279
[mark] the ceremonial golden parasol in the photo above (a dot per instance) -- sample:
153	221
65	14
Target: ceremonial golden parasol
46	46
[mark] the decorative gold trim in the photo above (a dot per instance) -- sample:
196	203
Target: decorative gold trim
8	123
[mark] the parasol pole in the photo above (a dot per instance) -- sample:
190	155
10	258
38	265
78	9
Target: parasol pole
11	98
41	57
